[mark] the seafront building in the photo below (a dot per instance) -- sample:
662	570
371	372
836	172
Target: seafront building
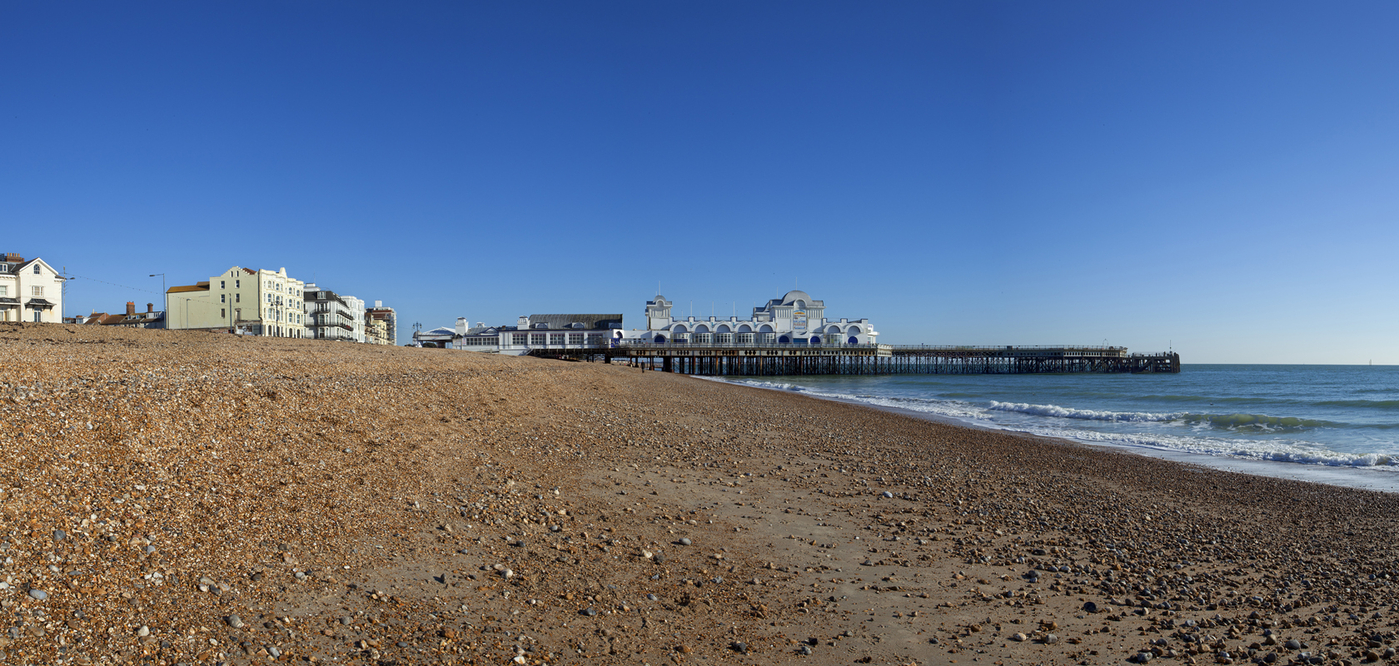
131	319
376	331
30	290
331	316
244	300
796	319
385	331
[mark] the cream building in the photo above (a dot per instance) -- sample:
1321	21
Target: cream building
252	302
30	291
376	331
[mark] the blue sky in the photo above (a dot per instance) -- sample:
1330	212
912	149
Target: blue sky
1215	177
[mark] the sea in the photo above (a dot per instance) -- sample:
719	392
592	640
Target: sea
1323	423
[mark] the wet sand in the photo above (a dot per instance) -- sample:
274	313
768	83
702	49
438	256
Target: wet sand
200	498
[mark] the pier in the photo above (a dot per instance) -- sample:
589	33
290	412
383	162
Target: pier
770	360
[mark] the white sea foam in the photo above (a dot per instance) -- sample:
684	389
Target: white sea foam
1151	428
1087	414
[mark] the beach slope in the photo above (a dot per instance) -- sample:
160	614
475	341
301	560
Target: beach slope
195	497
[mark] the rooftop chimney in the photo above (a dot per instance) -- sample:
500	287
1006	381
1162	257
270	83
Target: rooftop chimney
131	308
461	326
150	308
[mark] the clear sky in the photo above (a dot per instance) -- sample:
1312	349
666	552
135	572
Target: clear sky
1222	178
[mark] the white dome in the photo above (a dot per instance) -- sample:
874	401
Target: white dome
795	294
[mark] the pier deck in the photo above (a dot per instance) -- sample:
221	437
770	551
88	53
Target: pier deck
871	359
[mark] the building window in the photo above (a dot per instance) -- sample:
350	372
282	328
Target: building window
575	338
223	298
38	291
537	339
237	298
221	284
517	338
4	290
556	339
237	284
222	313
36	272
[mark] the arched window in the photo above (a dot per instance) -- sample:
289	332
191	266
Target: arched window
680	328
815	339
854	340
765	329
723	328
783	340
701	329
853	330
745	328
660	339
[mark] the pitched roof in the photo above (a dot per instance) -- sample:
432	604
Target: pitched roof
188	287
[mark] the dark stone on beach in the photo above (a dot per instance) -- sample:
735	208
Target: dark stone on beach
1090	607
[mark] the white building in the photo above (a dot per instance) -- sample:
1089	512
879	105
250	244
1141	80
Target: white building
357	314
332	316
796	318
252	302
30	291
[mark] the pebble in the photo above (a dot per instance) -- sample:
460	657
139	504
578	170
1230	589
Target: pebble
38	594
888	495
1090	607
143	631
651	597
1018	637
59	535
234	621
685	541
588	612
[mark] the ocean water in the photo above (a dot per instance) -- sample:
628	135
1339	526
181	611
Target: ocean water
1334	424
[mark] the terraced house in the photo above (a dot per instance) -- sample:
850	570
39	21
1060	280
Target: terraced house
244	300
30	290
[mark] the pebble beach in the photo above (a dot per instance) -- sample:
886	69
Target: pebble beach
176	497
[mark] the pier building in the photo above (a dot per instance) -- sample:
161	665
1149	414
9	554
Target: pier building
796	319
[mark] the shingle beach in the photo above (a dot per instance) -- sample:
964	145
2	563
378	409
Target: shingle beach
183	497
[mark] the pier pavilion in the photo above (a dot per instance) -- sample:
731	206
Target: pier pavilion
794	319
